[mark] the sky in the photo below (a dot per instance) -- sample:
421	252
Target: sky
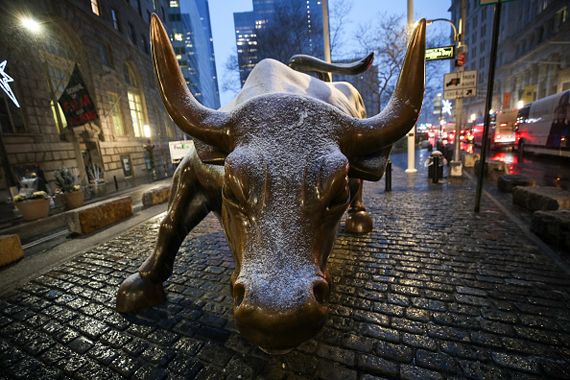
363	11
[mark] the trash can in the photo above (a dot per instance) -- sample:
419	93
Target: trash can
435	163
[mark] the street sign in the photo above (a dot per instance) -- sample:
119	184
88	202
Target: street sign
442	52
460	84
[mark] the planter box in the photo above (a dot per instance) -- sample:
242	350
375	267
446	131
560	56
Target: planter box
10	249
553	227
93	217
73	199
156	196
33	209
541	198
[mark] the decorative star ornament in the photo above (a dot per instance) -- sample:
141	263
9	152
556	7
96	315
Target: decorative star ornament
5	79
446	106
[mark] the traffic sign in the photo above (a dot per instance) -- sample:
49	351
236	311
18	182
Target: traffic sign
442	52
460	84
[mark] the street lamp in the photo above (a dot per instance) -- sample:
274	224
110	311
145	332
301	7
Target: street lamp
149	152
146	131
428	22
31	24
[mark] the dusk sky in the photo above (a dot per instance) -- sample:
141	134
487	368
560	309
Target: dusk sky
363	11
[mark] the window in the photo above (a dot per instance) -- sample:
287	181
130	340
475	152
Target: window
115	19
175	17
136	106
58	116
560	18
105	54
133	34
116	114
11	120
137	117
95	7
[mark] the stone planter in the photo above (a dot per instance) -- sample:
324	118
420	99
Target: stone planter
98	189
73	199
33	209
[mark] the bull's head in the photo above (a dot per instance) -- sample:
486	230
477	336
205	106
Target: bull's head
287	161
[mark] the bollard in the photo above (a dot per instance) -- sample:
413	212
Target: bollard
116	183
435	164
388	176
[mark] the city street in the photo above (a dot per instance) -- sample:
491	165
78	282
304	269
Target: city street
545	170
435	291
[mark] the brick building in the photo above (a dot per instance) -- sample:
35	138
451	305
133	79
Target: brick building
109	41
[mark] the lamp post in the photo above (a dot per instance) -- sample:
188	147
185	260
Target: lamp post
411	135
149	152
455	164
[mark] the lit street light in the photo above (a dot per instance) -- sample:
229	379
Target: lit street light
31	24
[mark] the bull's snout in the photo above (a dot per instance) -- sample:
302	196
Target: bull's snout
278	318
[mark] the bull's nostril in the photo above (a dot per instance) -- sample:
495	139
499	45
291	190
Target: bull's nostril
321	291
239	293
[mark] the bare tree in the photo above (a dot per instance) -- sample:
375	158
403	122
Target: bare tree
387	37
338	20
230	78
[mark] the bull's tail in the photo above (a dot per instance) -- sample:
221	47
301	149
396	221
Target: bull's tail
306	63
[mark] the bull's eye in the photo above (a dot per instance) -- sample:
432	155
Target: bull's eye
340	199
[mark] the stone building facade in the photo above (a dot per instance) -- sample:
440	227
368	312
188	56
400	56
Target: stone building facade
533	59
109	42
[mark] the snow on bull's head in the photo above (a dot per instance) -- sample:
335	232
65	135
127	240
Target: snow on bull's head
287	161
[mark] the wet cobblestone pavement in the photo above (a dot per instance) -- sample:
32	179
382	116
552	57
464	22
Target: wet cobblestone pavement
433	292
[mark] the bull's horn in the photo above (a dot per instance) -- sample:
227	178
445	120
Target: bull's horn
205	124
370	135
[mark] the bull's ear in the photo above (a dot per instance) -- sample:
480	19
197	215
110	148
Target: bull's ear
371	167
209	154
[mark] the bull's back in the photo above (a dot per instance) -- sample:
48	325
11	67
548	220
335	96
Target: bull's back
271	76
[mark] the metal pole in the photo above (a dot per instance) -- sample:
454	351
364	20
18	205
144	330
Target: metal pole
388	177
411	135
455	165
326	30
488	103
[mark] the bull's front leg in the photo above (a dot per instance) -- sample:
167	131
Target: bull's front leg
187	207
359	220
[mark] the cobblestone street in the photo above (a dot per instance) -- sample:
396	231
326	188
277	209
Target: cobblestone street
435	291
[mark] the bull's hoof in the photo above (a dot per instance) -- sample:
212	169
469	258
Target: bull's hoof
137	293
359	222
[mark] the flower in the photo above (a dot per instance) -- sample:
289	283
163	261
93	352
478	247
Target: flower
65	180
35	195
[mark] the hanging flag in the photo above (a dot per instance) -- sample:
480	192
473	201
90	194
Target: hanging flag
76	103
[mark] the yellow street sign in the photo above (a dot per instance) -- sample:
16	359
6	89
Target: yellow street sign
443	52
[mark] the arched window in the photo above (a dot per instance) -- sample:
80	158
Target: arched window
136	101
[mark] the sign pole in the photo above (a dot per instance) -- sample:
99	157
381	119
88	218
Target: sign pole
488	103
456	165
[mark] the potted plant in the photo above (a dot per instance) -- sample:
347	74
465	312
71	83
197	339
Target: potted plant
96	180
66	182
32	206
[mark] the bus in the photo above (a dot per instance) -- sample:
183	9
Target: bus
542	126
501	133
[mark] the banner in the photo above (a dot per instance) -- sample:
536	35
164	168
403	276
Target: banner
76	103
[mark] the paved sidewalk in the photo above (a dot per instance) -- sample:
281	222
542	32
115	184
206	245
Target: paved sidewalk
433	292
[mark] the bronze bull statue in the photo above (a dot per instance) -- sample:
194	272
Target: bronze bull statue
279	166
